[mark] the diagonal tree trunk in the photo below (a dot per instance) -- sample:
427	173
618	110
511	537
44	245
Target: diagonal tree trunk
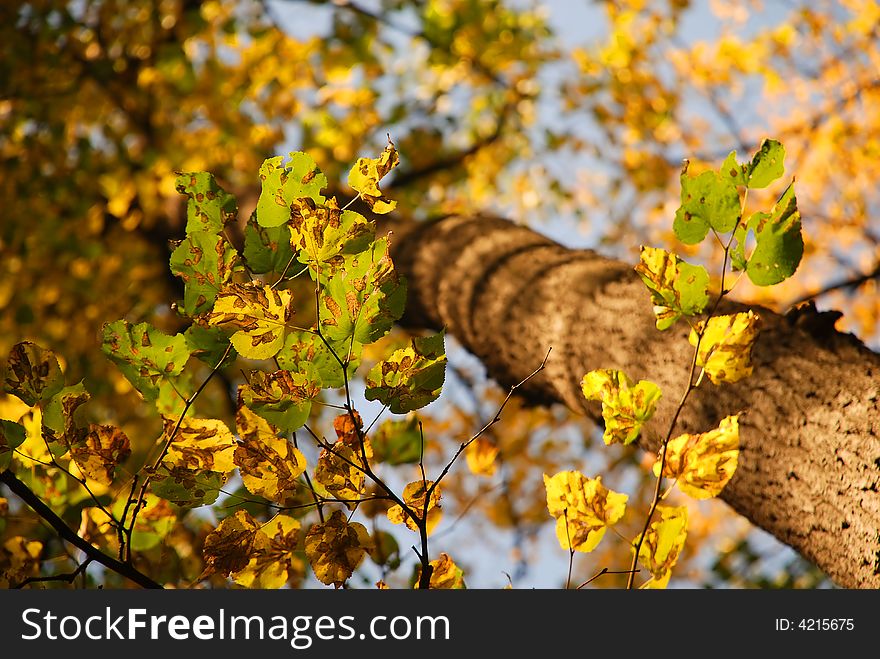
809	470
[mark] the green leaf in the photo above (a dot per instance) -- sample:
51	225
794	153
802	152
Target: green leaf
323	233
259	314
397	441
284	184
185	487
305	352
150	359
32	373
12	435
626	406
266	249
734	171
205	261
677	287
364	298
59	422
767	165
284	399
780	244
208	344
709	200
209	207
412	377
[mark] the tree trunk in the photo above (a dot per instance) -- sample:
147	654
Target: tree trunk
809	467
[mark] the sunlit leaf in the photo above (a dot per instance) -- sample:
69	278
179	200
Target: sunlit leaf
411	377
209	207
282	184
267	249
323	233
336	548
415	496
103	448
269	464
273	562
364	177
445	575
155	520
663	543
282	398
708	200
481	457
677	287
204	261
306	353
32	373
767	165
341	468
726	347
230	546
259	313
626	406
703	464
583	509
779	244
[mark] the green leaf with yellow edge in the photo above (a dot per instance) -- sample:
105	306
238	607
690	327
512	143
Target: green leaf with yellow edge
204	261
663	543
274	561
209	207
282	398
767	165
32	373
709	200
99	453
282	184
677	287
725	351
398	441
583	509
323	233
415	496
267	249
703	464
306	353
445	574
12	435
364	298
481	456
147	357
259	315
341	469
779	244
411	377
59	421
364	177
626	406
269	464
336	548
197	464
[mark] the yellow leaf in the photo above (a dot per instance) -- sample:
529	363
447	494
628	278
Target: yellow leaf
481	455
274	561
341	470
625	407
19	559
414	496
201	445
96	527
259	313
703	464
364	177
583	509
725	351
269	464
381	585
335	548
445	575
98	454
663	544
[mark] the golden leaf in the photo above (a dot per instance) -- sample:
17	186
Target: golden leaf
414	496
583	509
663	543
725	351
335	548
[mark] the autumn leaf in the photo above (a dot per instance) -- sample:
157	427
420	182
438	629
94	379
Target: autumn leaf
59	423
19	559
259	314
677	287
155	520
415	496
341	468
229	547
583	509
305	352
703	464
267	249
663	543
445	575
273	562
283	184
411	377
205	262
481	457
103	448
269	464
364	178
709	200
397	441
32	373
12	435
323	233
626	406
725	351
336	548
282	398
209	207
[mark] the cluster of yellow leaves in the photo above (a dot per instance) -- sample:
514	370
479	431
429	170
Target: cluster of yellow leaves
583	509
417	498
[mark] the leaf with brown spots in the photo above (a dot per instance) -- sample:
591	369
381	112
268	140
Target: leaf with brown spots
323	233
258	314
411	377
32	373
626	406
336	548
663	543
59	422
282	398
364	177
445	574
415	496
204	261
103	448
230	546
274	561
209	207
583	509
725	351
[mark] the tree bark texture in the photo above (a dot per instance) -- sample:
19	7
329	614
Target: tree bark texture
809	466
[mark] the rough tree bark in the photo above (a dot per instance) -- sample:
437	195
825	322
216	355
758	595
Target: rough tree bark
809	469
